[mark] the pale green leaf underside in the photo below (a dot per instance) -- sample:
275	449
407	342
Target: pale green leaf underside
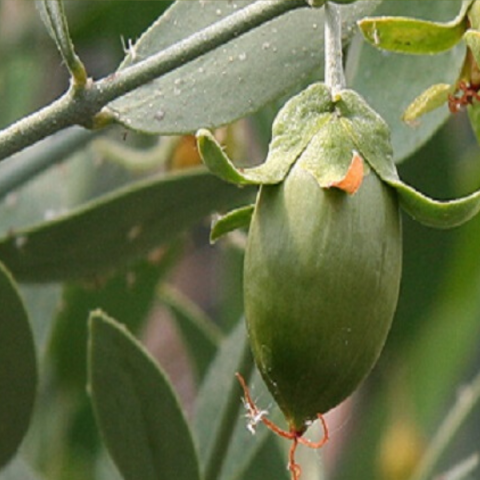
238	218
139	416
232	81
18	369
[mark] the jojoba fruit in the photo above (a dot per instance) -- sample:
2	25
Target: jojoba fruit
321	281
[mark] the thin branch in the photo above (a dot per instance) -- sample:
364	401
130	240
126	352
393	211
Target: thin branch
84	107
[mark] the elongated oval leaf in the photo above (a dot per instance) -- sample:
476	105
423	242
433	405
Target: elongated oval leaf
390	82
219	416
118	227
229	82
18	369
139	416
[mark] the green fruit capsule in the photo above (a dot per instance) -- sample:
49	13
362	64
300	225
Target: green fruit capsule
321	280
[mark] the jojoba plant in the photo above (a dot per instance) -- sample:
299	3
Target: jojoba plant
321	244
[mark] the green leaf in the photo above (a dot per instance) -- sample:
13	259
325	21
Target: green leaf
202	337
226	447
231	221
432	98
117	228
219	400
18	469
128	295
412	36
474	117
269	462
138	414
216	89
18	369
389	82
53	15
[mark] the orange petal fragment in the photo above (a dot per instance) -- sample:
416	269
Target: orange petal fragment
354	176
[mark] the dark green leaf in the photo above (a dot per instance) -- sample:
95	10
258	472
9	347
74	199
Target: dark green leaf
216	88
117	228
220	428
18	369
200	334
136	409
128	295
268	464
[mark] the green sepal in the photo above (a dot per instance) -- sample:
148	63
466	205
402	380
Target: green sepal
329	154
369	133
413	36
432	98
435	213
238	218
294	127
218	162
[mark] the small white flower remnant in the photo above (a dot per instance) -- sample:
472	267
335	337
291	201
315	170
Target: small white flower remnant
254	416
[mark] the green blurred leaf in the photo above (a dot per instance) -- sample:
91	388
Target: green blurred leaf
220	428
117	228
201	336
199	94
18	469
136	409
18	369
390	82
127	295
268	464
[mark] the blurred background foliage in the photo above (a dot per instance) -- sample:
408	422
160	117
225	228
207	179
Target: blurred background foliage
184	298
